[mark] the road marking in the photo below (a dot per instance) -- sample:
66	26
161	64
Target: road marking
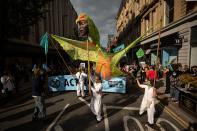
84	101
123	108
174	116
56	119
58	128
170	123
148	128
125	121
126	118
159	125
106	121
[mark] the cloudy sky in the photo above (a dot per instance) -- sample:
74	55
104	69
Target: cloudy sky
103	13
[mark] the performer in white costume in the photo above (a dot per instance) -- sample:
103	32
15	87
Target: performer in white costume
96	101
148	101
81	75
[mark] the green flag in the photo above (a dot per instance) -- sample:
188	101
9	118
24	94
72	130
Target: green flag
140	53
44	43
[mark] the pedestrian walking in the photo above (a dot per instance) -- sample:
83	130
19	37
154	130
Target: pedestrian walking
96	101
81	75
148	101
38	94
175	83
8	85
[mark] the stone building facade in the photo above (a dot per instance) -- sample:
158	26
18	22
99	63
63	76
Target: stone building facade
176	22
26	50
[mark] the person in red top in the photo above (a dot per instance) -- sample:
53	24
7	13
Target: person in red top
152	74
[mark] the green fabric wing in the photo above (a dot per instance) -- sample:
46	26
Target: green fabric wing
93	32
75	51
117	56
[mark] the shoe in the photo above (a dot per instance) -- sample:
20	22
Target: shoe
150	125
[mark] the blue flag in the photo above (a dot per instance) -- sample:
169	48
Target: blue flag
44	43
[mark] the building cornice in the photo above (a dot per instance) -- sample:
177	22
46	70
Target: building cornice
175	24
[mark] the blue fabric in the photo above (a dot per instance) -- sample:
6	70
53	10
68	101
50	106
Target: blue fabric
44	43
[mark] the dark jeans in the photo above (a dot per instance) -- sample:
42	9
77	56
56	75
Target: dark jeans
174	93
167	85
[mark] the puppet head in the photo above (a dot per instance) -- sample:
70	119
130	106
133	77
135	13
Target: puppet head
82	22
87	28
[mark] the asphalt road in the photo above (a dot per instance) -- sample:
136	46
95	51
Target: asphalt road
66	112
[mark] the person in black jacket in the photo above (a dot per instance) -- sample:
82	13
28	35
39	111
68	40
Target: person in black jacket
37	94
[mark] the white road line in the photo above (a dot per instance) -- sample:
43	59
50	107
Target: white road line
125	121
58	128
175	116
170	123
161	128
148	128
83	100
122	108
106	118
56	119
106	122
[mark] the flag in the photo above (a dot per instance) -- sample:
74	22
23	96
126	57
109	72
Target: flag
140	53
44	43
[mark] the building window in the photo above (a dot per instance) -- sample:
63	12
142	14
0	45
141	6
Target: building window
191	6
147	23
193	36
169	11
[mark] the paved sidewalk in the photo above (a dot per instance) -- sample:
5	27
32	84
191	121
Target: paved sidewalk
174	110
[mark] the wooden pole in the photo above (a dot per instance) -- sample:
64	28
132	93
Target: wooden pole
89	83
158	44
46	60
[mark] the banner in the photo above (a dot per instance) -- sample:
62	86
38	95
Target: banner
68	82
115	84
119	48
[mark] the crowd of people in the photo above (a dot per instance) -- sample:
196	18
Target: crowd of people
11	76
144	75
149	76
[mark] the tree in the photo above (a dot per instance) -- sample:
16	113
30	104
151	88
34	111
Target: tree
18	15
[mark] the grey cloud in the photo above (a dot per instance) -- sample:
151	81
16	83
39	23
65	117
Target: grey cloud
103	13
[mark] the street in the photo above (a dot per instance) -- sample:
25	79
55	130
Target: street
66	112
121	50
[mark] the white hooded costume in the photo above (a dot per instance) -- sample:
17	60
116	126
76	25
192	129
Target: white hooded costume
96	101
80	85
7	83
148	103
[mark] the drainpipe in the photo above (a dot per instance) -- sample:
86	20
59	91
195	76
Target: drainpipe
190	49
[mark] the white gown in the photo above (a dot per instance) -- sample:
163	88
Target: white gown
80	86
148	103
96	101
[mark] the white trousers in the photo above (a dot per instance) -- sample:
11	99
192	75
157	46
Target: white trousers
96	106
80	89
151	112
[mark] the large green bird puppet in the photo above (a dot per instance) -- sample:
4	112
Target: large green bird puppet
106	63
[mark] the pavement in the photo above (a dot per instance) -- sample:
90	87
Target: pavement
185	118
